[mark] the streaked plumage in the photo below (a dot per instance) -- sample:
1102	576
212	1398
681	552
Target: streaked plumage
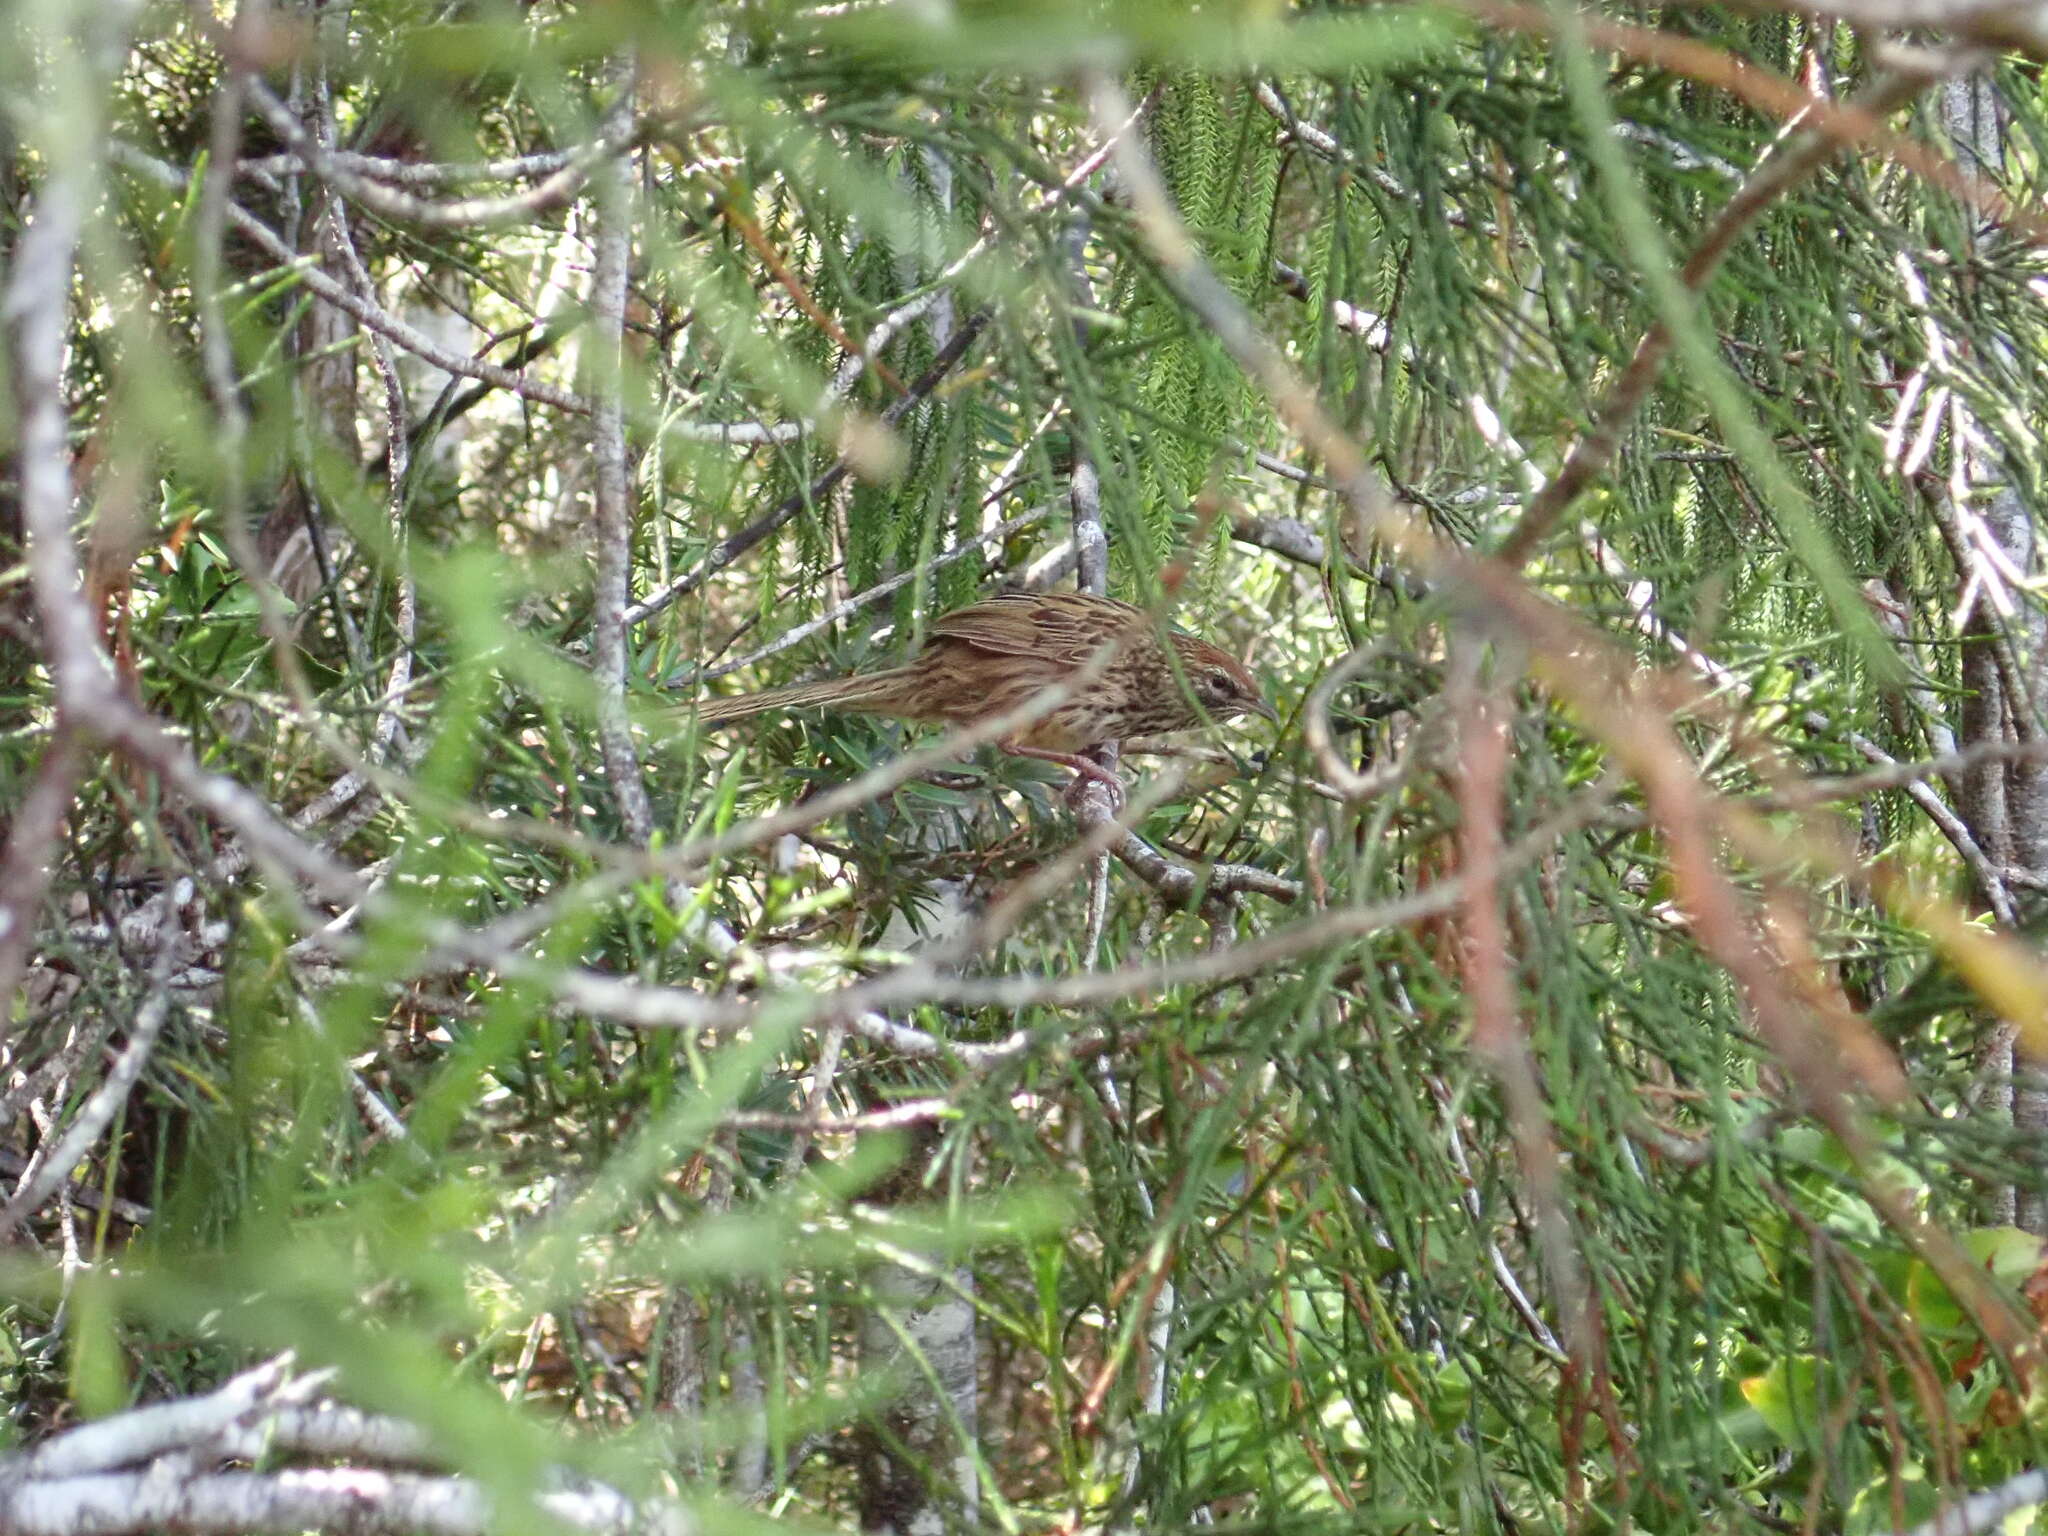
990	658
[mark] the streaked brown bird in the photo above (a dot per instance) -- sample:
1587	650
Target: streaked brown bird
990	658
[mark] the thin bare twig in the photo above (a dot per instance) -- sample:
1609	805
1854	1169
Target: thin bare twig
397	453
371	315
1229	962
1185	885
797	634
726	551
1324	144
800	295
824	1071
210	230
812	1124
1790	162
1370	328
1316	732
477	213
1092	798
78	1192
1503	1272
1898	775
55	1168
1892	775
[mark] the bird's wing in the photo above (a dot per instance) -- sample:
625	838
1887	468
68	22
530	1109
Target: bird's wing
1032	623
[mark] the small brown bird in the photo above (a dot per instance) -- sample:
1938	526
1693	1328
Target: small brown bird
990	658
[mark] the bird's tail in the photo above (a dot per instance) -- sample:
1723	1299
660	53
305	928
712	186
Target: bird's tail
873	693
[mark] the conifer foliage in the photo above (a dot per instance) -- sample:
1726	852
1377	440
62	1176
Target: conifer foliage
1575	1070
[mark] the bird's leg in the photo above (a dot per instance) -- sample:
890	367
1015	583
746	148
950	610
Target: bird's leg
1084	767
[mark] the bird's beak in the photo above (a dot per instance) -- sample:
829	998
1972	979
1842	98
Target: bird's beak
1261	707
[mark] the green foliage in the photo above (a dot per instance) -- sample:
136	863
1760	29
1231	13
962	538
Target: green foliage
1269	1249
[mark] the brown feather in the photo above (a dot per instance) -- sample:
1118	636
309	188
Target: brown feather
876	692
992	657
1069	624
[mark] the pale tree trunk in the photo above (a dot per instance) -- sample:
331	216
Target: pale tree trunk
2005	662
918	1470
918	1465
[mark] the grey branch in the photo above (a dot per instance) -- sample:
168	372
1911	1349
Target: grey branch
137	1472
1183	885
1988	1510
1229	963
379	320
613	492
416	173
363	1501
1370	328
470	213
142	1434
87	1195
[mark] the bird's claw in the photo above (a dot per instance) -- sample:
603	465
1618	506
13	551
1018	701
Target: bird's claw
1102	779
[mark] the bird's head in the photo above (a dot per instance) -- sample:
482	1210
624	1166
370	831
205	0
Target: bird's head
1219	681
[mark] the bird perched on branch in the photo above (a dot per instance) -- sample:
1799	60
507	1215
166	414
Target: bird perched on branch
995	656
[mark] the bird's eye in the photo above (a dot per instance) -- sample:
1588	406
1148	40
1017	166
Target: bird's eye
1218	683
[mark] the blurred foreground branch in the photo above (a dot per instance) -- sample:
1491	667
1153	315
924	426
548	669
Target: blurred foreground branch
146	1470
